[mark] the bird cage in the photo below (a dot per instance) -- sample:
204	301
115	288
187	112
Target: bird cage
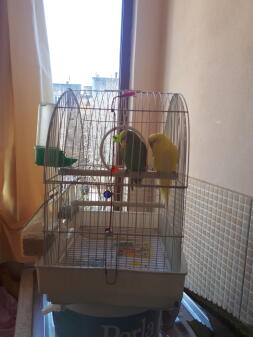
114	202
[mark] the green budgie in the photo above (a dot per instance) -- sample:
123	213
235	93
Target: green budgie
134	153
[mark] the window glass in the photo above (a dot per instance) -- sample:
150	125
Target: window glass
84	43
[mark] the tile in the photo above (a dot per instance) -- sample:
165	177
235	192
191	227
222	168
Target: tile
217	247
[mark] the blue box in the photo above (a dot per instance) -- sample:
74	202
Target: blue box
69	323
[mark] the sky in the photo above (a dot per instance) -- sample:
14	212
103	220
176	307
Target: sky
84	39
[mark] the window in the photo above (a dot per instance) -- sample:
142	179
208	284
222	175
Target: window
89	43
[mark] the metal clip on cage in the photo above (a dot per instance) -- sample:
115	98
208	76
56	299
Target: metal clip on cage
114	209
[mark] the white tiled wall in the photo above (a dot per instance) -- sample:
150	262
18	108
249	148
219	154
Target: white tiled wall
218	242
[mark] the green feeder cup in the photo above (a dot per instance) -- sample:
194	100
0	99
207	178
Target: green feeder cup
51	156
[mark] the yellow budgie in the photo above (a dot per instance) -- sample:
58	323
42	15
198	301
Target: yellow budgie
165	159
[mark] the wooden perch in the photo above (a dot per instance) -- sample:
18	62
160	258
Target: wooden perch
116	204
122	173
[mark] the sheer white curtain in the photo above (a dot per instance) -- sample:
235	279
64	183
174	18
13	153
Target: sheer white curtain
25	81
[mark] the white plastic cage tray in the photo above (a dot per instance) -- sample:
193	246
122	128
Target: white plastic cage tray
65	284
140	267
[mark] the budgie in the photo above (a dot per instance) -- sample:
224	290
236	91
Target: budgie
165	159
134	153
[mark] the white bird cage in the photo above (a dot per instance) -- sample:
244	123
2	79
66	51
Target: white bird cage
107	240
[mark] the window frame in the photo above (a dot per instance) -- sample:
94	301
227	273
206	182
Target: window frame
127	16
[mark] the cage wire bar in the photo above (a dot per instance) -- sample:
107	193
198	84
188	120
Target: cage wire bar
133	228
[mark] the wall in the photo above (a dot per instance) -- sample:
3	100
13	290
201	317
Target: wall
218	243
208	57
148	44
204	49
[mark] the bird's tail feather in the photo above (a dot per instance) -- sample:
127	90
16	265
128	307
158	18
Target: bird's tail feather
165	191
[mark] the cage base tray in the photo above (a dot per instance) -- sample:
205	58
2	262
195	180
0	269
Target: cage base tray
134	288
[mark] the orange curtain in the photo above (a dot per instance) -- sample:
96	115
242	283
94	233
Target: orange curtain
25	81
